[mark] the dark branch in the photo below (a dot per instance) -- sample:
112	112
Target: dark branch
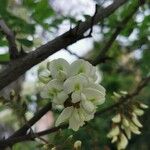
21	65
122	100
13	51
119	28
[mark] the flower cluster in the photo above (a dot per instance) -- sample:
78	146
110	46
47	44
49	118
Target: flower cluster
126	122
74	87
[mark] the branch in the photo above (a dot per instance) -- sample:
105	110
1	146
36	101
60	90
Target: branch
13	51
21	65
122	100
32	121
119	28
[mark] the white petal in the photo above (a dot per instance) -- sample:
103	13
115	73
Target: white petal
59	68
74	121
75	83
60	98
84	115
98	87
88	106
83	67
64	116
77	96
44	76
94	96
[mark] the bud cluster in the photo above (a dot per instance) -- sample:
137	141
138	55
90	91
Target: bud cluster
74	87
125	122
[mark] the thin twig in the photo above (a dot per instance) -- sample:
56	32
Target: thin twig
13	51
121	25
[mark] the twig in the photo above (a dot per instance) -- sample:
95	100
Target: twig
32	121
114	35
13	51
74	54
122	100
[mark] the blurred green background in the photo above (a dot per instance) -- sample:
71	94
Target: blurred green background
36	21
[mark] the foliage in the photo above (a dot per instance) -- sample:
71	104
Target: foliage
129	63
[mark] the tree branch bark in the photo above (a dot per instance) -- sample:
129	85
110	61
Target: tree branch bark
21	65
13	51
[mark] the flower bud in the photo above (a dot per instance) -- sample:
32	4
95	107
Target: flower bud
123	142
116	95
138	112
77	145
116	118
134	128
113	132
114	139
125	122
128	132
136	122
144	106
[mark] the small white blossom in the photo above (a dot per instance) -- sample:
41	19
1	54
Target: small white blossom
74	88
59	69
83	67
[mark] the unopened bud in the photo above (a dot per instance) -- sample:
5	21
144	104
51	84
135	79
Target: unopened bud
116	118
114	139
123	142
138	112
77	145
136	122
134	128
116	95
144	106
113	132
125	122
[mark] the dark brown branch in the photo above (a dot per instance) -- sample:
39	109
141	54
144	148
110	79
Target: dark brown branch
32	121
122	100
13	51
119	28
21	65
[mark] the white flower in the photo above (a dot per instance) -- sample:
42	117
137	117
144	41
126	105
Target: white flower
73	88
44	76
83	67
59	69
64	116
54	90
95	96
75	83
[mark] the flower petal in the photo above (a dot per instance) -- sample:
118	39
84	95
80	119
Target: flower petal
75	83
64	116
94	96
60	98
59	68
88	106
